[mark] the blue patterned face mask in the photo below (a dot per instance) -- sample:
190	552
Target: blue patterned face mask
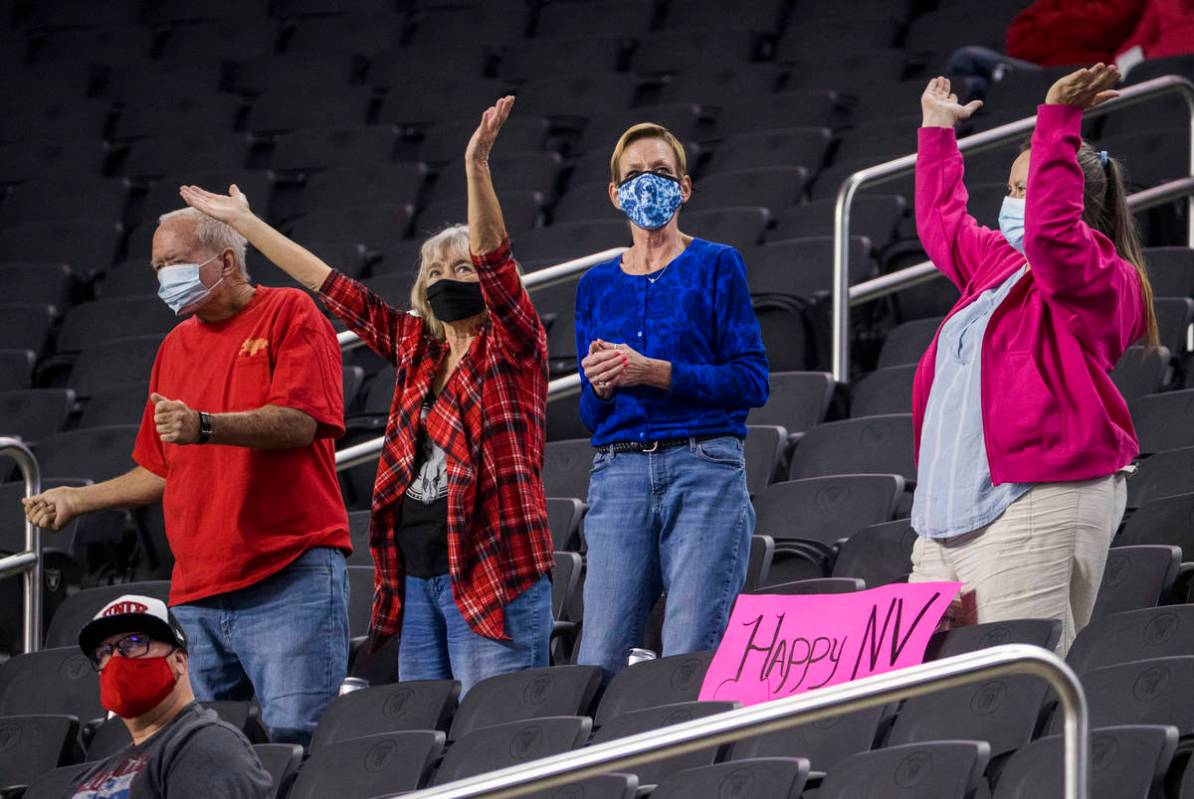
1011	221
179	285
649	199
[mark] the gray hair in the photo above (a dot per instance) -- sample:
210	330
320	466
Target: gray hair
212	234
449	243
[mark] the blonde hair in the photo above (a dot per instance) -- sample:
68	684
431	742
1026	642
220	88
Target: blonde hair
646	130
447	245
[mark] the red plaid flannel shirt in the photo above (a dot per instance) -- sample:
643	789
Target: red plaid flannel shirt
490	421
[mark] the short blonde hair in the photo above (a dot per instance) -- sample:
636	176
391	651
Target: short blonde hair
646	130
448	245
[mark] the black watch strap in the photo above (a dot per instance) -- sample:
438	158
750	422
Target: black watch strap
204	427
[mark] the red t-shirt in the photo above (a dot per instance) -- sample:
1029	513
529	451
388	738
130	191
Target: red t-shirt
236	515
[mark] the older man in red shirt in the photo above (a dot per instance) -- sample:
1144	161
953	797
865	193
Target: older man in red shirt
236	442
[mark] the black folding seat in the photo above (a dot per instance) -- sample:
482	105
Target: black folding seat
1146	634
55	783
109	45
797	401
375	226
44	283
181	114
826	509
360	599
1171	270
62	557
112	735
803	267
657	717
606	18
676	50
339	146
1140	371
756	778
563	416
1022	90
861	72
563	55
155	156
1126	760
975	637
491	24
565	582
804	147
1162	521
37	159
790	109
564	517
98	453
100	321
884	99
129	279
117	363
758	563
394	67
79	608
32	414
358	532
454	101
50	681
277	111
572	240
401	706
587	201
512	170
559	94
720	84
281	762
363	184
985	201
167	11
1156	67
1137	577
763	451
134	83
100	199
932	37
1174	316
1164	474
1155	691
879	141
991	166
221	39
446	141
857	33
358	33
373	765
876	217
56	119
773	187
872	445
652	683
684	120
830	179
762	17
824	744
69	242
35	744
25	326
530	694
792	343
506	745
566	468
907	342
16	367
77	13
941	769
377	668
1150	157
1164	421
1159	112
883	391
302	9
593	167
740	227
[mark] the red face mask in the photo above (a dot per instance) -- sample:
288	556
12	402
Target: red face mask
131	687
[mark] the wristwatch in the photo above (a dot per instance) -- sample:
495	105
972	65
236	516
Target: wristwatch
204	427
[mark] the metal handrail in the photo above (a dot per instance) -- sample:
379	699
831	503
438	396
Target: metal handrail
782	714
840	354
540	278
28	562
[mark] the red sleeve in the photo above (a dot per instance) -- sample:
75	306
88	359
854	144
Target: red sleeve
307	371
515	321
148	451
385	329
1063	32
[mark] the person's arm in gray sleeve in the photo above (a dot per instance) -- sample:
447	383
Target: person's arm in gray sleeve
215	762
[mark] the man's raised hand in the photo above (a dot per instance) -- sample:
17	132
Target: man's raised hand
176	422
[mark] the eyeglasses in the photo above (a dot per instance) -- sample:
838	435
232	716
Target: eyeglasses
133	645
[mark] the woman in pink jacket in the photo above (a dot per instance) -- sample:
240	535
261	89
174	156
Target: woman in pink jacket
1022	439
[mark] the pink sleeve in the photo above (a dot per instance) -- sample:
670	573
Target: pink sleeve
1085	281
953	240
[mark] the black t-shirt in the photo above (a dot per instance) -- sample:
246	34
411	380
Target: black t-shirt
422	529
196	754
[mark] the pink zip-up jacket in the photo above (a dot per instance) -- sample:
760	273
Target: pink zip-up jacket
1050	411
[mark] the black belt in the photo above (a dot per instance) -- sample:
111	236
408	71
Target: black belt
655	446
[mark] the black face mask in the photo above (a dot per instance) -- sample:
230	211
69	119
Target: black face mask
453	300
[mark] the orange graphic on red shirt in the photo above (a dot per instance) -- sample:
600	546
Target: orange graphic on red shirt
252	346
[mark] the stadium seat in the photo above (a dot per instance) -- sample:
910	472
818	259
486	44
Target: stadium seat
332	147
129	279
1162	521
35	159
826	509
797	401
360	599
408	69
1127	760
1150	156
651	683
876	217
1170	271
758	564
375	226
363	30
772	187
99	321
163	196
401	706
1164	474
784	110
363	184
684	120
520	211
50	681
511	744
373	765
825	743
281	762
26	326
803	267
803	147
179	114
99	453
907	342
856	33
871	445
494	23
719	84
865	73
446	140
941	769
32	414
1140	371
587	201
35	744
741	227
376	668
155	156
54	784
564	517
1044	633
79	608
1174	315
1137	577
16	368
444	100
761	17
112	735
524	695
623	18
563	416
883	391
38	283
763	451
120	362
560	55
565	580
1151	691
358	531
566	468
672	51
63	241
756	778
55	119
1164	421
653	718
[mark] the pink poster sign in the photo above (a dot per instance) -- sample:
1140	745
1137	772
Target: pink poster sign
778	645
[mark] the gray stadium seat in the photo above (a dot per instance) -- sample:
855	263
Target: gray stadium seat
511	744
31	414
1162	521
35	744
871	445
825	743
1164	474
281	762
942	769
1137	577
401	706
756	778
740	227
79	608
653	718
883	391
826	509
373	765
50	681
98	453
1151	691
651	683
529	694
54	784
797	401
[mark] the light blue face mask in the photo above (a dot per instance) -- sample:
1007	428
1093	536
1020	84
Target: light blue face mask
179	285
649	200
1011	221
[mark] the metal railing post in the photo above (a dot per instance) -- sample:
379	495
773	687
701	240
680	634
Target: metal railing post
840	342
781	714
27	563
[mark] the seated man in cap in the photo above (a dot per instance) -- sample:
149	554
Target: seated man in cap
178	748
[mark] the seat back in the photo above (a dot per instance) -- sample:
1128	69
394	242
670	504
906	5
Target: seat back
943	770
756	778
827	509
529	694
655	718
373	765
79	608
1137	577
281	762
651	683
797	401
34	744
1134	635
401	706
878	554
50	681
506	745
871	445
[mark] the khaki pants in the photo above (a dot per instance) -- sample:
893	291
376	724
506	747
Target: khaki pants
1043	558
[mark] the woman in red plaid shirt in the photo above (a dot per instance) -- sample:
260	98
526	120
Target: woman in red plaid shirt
459	531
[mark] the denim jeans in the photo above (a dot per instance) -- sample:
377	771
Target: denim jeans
284	638
438	644
678	520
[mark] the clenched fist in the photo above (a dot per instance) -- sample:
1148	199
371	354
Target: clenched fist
52	509
176	423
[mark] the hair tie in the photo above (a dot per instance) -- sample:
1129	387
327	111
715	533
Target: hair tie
1103	158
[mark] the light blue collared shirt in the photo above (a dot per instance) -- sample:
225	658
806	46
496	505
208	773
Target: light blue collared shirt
954	493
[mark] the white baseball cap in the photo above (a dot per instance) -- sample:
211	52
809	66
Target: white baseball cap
132	613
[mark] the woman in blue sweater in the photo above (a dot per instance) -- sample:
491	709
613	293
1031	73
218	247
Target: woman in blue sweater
671	361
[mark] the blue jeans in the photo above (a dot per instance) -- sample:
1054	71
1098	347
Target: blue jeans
438	644
284	638
678	520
